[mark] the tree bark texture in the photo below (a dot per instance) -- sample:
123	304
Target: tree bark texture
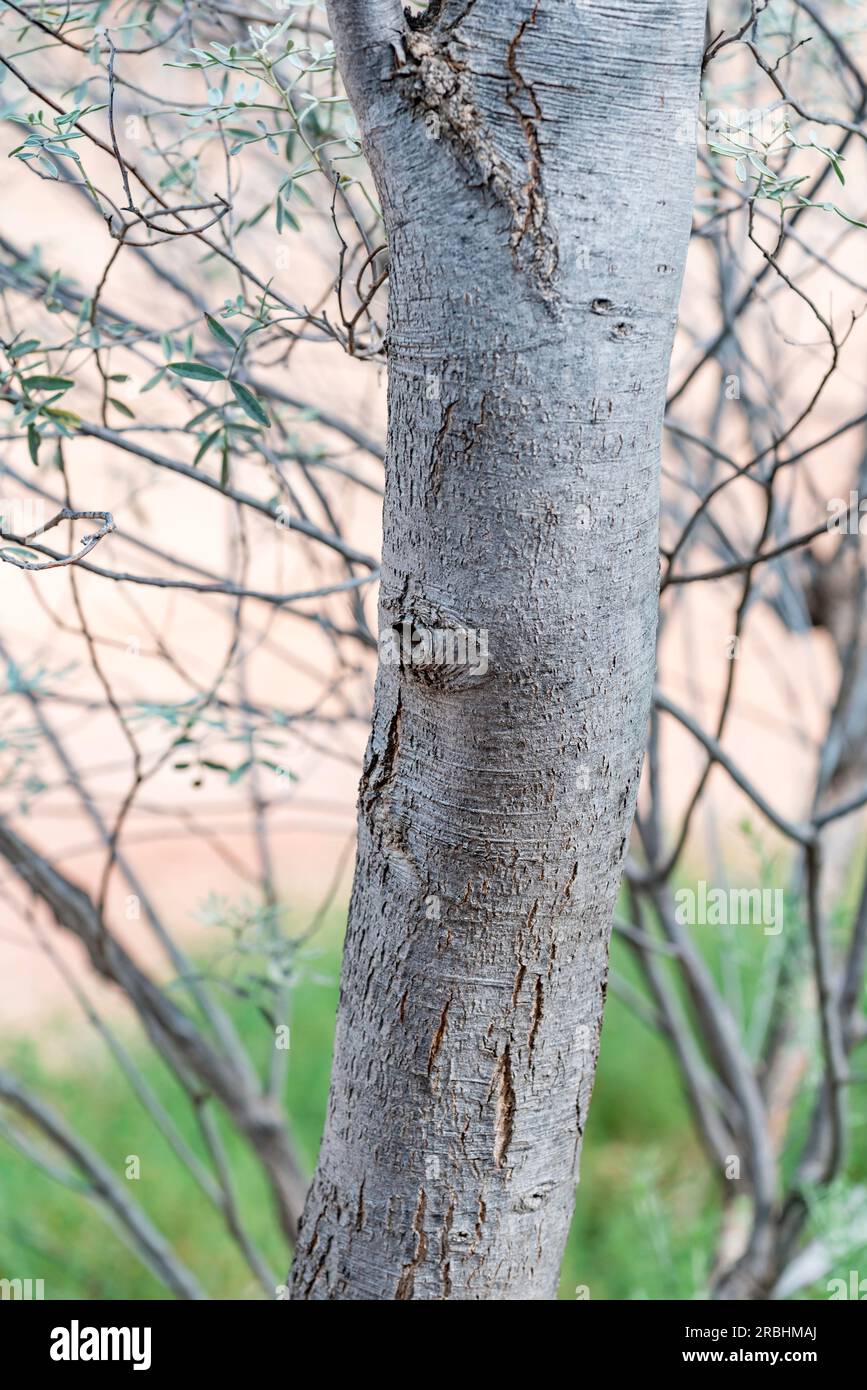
537	203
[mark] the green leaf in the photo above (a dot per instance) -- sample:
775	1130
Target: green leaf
154	381
853	221
33	442
237	773
197	370
199	419
21	349
760	164
281	771
219	332
47	383
124	409
250	403
205	446
287	216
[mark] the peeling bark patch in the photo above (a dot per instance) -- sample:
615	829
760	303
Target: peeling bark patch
406	1283
426	18
504	1119
441	88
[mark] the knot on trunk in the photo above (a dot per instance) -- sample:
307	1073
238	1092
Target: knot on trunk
437	650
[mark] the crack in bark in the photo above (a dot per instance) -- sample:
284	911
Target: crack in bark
406	1283
536	1014
320	1265
519	980
381	769
480	1223
536	212
504	1120
445	1262
380	773
438	1036
439	447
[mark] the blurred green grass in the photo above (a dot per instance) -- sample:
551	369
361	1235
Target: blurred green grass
646	1213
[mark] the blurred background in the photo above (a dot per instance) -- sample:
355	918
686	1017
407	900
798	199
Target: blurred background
193	289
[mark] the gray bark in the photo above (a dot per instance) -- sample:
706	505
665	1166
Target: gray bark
537	202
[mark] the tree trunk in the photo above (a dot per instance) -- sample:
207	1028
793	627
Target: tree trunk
537	195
